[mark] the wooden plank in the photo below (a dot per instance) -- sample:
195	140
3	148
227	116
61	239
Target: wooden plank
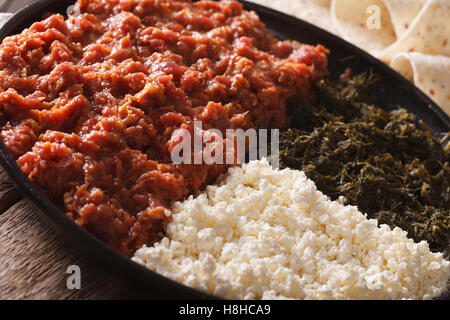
8	193
34	261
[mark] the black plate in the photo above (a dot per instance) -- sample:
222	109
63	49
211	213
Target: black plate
394	90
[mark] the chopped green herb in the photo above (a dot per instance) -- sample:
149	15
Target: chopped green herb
385	162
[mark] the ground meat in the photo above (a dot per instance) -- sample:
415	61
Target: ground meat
89	105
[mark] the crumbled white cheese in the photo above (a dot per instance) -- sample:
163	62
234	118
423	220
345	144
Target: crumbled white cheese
269	234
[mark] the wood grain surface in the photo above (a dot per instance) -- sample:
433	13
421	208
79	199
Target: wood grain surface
34	259
13	5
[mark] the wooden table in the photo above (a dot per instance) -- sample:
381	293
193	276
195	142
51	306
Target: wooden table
34	259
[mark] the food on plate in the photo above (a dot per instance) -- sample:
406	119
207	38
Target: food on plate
384	162
389	30
88	105
270	234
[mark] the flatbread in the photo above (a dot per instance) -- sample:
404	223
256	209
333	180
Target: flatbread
351	18
4	17
316	12
430	73
429	32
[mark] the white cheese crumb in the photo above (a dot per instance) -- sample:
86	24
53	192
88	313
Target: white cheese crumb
269	234
167	213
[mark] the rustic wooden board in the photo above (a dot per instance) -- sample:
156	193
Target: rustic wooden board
8	194
34	259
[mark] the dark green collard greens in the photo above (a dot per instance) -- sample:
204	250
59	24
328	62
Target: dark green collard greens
386	163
